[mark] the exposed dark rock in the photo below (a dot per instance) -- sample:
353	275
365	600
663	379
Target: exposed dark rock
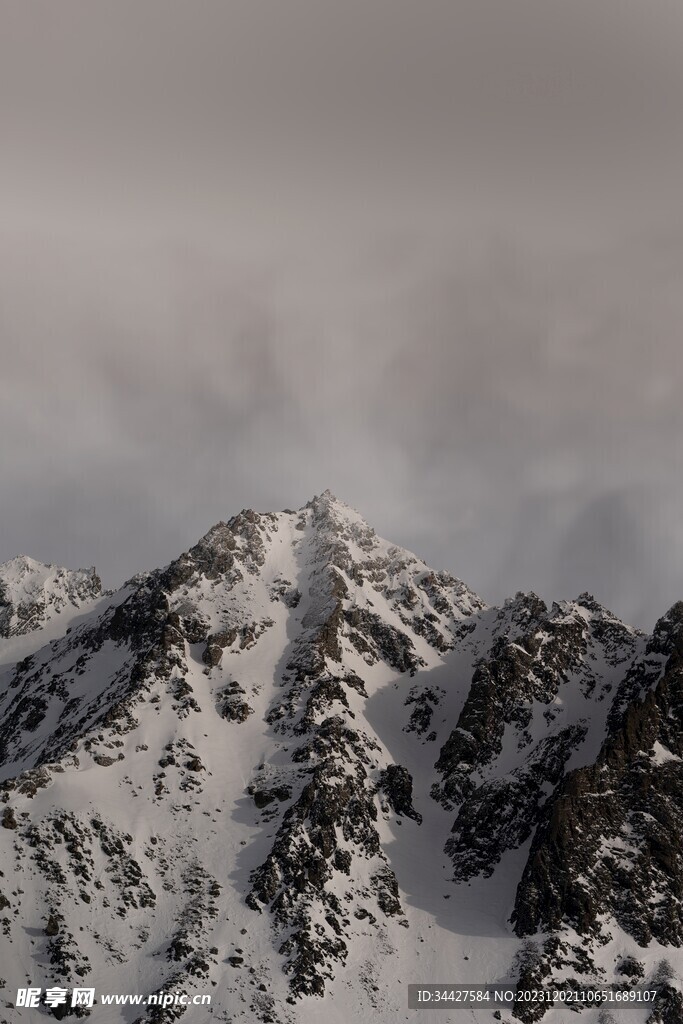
231	705
386	887
626	808
104	760
522	668
8	818
424	702
52	926
368	631
630	967
215	646
500	814
264	797
397	784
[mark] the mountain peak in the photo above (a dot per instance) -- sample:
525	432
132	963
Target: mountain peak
22	564
329	501
286	749
326	494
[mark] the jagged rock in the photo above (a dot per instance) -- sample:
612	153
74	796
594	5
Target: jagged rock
630	967
386	887
215	646
501	813
264	797
668	1006
231	705
104	760
625	807
52	926
369	633
397	784
8	818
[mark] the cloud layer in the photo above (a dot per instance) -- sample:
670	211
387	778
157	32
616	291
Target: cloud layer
428	258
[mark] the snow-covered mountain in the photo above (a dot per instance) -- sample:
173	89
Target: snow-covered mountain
298	769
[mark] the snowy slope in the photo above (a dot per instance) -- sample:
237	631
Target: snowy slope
298	769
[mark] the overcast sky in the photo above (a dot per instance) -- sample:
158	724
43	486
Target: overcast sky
426	254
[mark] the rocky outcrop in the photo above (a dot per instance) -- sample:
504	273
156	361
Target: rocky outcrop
501	813
397	785
608	845
531	657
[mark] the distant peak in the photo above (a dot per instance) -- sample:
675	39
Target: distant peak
33	592
24	562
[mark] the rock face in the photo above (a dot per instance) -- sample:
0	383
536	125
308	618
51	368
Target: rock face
297	764
626	807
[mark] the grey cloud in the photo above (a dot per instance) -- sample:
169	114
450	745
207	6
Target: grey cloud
428	256
114	110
